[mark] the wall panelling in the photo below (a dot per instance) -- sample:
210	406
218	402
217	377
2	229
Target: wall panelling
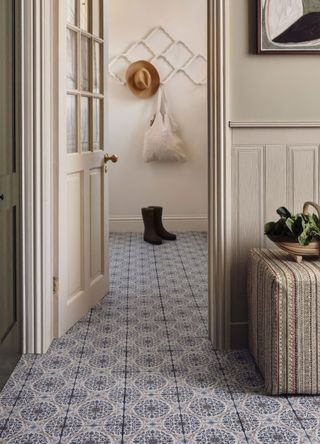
271	167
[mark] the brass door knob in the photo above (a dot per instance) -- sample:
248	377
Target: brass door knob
114	158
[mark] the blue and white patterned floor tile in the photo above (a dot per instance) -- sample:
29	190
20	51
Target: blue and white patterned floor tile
138	368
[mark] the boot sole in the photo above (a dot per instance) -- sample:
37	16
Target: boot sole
153	242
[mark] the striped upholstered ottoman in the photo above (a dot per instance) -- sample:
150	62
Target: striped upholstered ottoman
284	321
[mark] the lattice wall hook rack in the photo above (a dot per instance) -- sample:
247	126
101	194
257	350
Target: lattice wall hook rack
163	54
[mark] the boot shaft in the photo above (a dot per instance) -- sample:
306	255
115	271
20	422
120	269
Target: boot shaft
150	232
161	231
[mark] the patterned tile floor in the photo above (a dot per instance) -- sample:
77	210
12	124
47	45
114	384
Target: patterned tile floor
140	369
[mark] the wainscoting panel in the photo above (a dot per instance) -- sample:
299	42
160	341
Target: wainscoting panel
271	167
303	175
247	217
275	169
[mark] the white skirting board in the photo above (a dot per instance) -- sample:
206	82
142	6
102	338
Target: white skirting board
134	224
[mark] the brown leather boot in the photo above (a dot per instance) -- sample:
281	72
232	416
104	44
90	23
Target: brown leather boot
161	231
150	234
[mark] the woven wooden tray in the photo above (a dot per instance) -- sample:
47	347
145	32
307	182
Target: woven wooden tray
293	247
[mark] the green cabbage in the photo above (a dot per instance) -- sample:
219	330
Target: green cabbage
302	227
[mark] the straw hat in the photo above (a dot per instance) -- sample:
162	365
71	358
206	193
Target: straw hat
142	79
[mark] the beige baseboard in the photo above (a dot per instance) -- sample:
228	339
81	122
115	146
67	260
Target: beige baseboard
134	224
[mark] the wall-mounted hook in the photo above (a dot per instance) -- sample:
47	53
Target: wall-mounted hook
185	68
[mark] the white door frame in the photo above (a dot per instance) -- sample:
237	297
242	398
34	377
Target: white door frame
36	54
37	165
219	175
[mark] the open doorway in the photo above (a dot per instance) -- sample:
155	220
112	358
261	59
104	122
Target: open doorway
96	115
173	36
145	357
42	136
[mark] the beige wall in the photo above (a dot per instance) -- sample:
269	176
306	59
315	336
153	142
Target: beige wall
268	164
180	188
265	87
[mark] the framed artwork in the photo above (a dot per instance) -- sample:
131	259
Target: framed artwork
288	27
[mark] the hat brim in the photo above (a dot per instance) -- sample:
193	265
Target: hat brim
155	79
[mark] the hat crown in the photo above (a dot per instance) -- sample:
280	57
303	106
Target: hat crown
142	79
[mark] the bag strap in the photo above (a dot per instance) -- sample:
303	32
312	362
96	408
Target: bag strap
162	102
165	109
159	103
164	98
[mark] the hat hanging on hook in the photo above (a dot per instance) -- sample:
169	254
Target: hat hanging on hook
143	79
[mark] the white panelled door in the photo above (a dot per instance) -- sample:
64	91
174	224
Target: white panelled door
82	228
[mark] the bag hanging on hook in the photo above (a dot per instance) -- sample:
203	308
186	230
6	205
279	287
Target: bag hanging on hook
161	141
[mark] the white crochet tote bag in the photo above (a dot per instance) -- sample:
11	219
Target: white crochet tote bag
161	142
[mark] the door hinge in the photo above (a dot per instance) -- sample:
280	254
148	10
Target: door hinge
55	285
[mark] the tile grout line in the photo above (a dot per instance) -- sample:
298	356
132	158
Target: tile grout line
230	392
18	397
298	419
126	349
76	378
180	278
169	347
217	357
190	287
289	402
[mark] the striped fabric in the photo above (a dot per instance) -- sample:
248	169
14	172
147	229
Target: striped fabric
284	321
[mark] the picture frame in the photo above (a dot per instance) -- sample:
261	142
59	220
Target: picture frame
288	27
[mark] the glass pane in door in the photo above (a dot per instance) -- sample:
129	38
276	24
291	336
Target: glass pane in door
97	67
71	12
96	124
71	124
84	15
84	63
84	124
71	59
96	17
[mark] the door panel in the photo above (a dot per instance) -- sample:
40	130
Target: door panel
75	245
82	240
10	297
96	223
